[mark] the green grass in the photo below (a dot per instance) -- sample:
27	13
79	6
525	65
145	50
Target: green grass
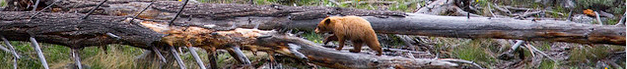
3	3
559	9
544	46
117	57
584	54
484	12
59	56
611	21
477	50
313	37
29	59
548	64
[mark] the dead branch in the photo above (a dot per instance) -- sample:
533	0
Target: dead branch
518	9
335	2
444	7
506	11
526	14
463	61
533	48
621	22
598	18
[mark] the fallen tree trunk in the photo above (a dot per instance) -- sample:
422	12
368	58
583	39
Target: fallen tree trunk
70	30
347	60
503	28
388	22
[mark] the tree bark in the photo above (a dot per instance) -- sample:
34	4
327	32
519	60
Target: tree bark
70	30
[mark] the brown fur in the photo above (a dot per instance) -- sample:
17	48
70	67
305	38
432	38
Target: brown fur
353	28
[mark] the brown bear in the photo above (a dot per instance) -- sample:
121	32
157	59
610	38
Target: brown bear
353	28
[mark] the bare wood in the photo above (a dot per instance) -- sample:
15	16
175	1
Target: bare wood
77	59
35	7
37	48
196	57
541	53
621	22
6	42
4	49
444	6
177	57
598	18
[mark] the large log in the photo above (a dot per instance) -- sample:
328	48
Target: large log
503	28
72	31
68	29
346	60
388	22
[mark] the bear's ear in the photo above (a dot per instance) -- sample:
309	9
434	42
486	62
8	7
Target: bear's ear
327	21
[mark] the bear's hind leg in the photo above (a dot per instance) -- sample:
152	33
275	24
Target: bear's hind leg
374	45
